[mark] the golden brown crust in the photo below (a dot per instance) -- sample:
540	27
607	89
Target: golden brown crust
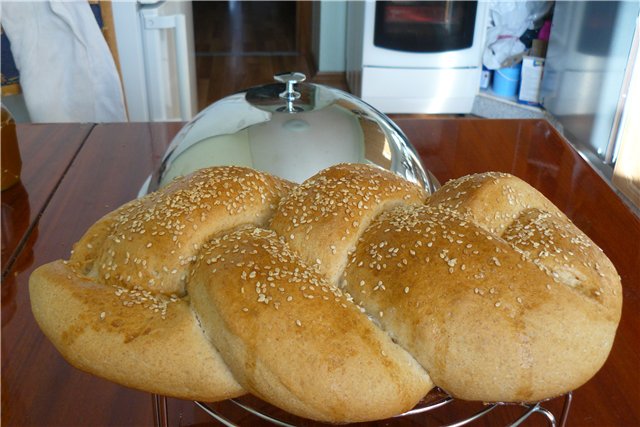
144	341
457	297
491	200
118	309
323	217
150	242
292	339
344	299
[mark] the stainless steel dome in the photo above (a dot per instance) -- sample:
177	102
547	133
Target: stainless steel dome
293	130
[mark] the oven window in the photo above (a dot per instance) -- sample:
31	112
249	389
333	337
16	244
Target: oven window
425	26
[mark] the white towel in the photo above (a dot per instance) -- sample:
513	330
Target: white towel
67	72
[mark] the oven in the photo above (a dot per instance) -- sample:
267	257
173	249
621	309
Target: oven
416	56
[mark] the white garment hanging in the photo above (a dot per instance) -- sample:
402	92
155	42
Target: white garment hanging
67	72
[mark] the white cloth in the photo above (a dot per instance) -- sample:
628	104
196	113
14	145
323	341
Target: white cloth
508	22
67	72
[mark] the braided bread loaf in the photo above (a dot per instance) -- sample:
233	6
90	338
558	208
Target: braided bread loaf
343	299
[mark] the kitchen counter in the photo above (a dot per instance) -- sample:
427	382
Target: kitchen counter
75	173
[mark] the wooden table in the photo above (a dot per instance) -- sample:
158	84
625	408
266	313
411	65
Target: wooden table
75	173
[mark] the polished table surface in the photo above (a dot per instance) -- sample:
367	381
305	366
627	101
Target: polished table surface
75	173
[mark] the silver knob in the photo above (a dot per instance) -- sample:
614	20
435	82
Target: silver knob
290	79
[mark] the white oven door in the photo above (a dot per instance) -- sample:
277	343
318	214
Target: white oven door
433	34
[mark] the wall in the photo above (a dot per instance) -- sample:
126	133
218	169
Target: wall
329	35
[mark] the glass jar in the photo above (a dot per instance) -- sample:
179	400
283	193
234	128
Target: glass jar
11	162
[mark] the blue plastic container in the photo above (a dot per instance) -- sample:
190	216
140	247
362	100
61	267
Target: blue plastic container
507	80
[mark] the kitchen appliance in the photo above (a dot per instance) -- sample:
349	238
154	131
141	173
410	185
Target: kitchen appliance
587	73
157	58
416	57
290	129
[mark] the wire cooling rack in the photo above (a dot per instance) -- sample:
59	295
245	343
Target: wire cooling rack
254	411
